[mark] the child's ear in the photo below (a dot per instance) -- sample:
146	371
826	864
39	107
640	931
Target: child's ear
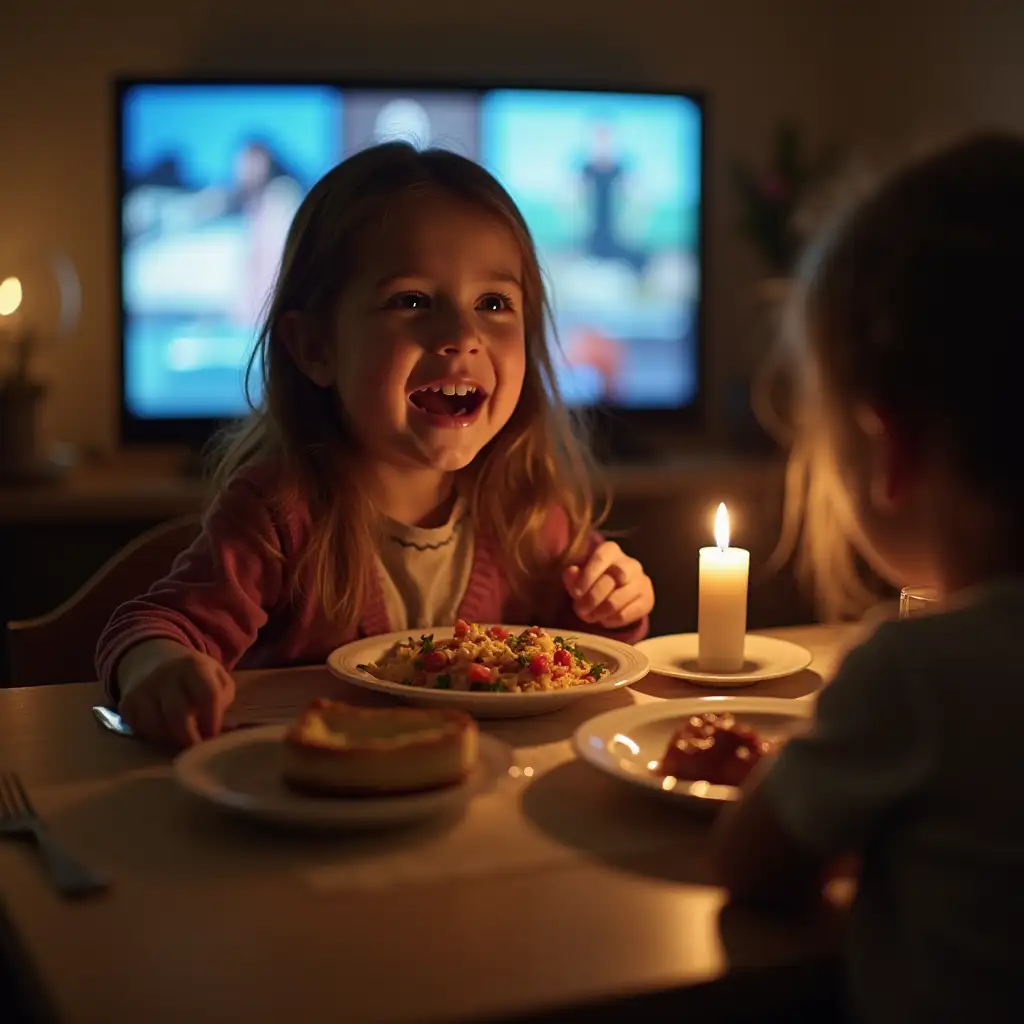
894	458
307	347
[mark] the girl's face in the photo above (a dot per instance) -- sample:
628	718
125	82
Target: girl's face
428	350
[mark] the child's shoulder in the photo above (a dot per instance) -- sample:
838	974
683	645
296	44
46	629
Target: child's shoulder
935	657
265	497
974	627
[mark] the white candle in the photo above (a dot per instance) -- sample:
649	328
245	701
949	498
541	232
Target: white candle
722	602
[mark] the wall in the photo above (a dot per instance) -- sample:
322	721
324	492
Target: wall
912	73
757	61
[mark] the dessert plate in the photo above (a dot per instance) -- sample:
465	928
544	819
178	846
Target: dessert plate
628	743
240	772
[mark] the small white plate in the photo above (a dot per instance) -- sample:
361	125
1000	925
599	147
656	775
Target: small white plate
627	742
765	657
240	772
625	664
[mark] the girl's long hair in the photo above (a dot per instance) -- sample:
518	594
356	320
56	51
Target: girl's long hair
536	462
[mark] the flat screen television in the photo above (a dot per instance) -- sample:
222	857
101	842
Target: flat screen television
210	173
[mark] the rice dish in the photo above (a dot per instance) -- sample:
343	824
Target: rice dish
481	659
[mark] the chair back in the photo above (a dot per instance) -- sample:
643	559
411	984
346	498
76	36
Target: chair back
60	647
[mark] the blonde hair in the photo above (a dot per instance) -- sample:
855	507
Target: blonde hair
817	529
888	298
534	464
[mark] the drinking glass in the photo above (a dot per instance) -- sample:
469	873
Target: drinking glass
916	601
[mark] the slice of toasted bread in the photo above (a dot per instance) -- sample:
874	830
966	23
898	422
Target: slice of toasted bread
336	749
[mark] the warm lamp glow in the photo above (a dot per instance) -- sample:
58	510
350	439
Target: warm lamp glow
10	296
722	527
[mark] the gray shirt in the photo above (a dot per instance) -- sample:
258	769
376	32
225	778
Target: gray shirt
916	761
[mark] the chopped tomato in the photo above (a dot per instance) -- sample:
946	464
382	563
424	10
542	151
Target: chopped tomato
560	672
540	665
480	673
535	631
588	679
461	628
563	658
498	633
434	661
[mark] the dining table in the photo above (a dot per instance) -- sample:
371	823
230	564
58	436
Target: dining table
560	886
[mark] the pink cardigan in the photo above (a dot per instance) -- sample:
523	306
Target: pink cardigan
227	597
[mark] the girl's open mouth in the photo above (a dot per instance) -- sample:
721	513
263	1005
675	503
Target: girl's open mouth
455	402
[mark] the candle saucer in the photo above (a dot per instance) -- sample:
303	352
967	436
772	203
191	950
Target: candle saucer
765	657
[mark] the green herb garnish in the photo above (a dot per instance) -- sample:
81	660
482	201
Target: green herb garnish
524	660
498	687
443	682
407	682
418	664
427	643
598	670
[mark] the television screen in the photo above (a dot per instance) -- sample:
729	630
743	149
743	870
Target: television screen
212	173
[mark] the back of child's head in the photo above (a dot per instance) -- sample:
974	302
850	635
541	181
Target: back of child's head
533	463
908	304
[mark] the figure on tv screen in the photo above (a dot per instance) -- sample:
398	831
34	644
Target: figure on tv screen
266	196
602	355
605	174
403	120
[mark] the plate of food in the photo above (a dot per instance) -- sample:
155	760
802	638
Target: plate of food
492	671
694	750
344	768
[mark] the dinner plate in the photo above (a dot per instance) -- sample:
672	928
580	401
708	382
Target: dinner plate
628	743
625	665
764	657
240	772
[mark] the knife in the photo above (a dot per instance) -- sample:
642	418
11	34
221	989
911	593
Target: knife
112	721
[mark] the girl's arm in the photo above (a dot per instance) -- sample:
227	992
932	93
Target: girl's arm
756	859
217	596
567	619
561	611
870	752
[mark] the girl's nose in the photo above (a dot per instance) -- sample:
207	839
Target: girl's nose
465	346
459	336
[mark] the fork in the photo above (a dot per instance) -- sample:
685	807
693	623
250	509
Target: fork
18	817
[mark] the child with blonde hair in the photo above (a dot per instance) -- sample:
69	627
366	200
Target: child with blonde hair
909	454
407	464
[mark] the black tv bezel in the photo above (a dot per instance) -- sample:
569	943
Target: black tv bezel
194	432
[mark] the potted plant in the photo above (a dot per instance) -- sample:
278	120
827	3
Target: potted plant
773	197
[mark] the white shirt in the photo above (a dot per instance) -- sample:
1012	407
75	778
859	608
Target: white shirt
424	572
916	761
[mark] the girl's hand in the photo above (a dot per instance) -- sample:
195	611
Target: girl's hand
181	701
610	589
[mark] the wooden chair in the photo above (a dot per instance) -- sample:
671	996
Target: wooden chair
60	647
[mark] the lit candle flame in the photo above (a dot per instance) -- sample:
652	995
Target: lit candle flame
722	527
10	296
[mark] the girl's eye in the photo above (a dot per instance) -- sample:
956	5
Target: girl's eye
495	302
408	300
